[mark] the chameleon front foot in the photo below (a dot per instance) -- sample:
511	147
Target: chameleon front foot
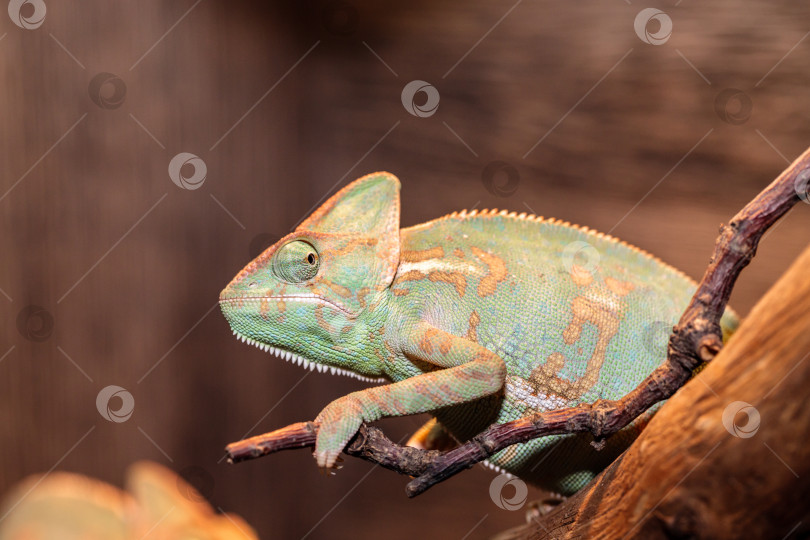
338	423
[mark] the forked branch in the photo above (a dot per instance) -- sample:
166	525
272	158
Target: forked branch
695	339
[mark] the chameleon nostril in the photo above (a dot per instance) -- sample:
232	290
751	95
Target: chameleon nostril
252	285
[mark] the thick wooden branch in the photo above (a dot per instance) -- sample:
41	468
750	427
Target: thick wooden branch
695	339
699	470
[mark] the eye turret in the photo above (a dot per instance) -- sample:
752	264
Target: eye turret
296	262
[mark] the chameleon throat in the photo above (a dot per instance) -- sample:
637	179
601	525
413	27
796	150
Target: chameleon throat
306	363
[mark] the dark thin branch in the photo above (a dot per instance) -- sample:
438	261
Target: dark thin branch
369	443
696	339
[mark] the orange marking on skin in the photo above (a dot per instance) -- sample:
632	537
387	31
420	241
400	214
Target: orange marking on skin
544	377
457	279
509	454
422	255
445	345
430	340
497	271
619	288
412	275
264	307
572	332
458	252
425	345
321	321
555	361
472	332
281	305
400	292
338	289
350	246
361	296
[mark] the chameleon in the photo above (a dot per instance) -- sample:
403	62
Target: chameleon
477	317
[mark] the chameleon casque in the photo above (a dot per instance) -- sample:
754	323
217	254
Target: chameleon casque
476	317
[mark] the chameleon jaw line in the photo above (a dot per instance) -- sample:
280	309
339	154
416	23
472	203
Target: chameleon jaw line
312	298
304	362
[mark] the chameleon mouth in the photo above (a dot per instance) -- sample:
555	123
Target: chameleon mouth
290	356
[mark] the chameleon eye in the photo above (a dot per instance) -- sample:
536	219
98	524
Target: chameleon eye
296	262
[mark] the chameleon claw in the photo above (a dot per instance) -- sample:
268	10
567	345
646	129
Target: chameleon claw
328	471
327	461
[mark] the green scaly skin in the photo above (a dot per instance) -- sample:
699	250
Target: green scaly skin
476	317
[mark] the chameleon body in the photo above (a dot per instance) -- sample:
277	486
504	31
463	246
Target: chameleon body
476	317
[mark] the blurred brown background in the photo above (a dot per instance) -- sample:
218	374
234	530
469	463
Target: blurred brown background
284	103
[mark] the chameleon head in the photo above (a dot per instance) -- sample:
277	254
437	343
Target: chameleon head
313	297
